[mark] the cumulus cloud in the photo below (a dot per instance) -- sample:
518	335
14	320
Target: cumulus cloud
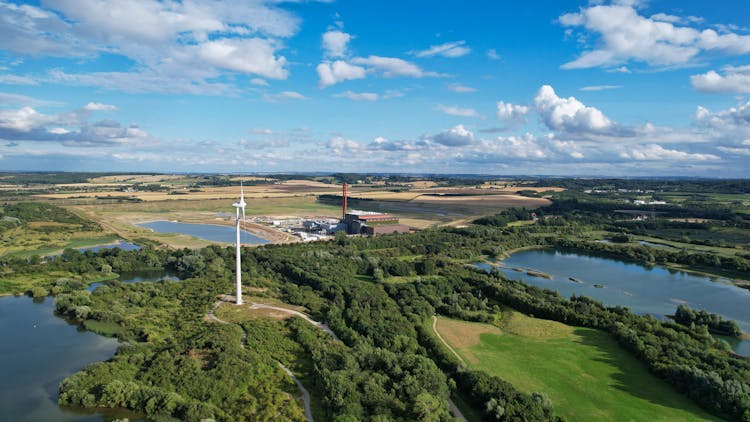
450	50
252	56
458	111
654	152
340	145
735	80
568	114
335	43
511	113
69	129
625	35
729	126
24	119
176	47
455	137
338	71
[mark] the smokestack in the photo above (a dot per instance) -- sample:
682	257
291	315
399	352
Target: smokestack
344	202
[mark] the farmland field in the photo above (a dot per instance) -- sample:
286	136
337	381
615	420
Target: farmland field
583	371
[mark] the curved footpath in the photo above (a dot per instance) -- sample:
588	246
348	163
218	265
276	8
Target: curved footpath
306	394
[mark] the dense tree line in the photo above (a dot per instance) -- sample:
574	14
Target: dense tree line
715	323
388	365
13	214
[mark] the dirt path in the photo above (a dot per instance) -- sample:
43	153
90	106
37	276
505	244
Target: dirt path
317	324
305	393
434	328
211	315
455	411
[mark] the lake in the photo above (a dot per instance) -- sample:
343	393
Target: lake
38	350
645	290
210	232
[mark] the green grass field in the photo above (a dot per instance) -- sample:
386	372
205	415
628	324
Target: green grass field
583	371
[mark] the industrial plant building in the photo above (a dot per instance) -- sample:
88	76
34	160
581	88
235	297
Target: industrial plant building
372	223
368	223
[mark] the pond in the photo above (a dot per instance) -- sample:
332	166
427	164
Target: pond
645	290
126	246
140	277
38	350
210	232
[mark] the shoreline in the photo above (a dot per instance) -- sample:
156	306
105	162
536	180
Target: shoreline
257	233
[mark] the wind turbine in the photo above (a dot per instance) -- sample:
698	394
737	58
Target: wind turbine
239	205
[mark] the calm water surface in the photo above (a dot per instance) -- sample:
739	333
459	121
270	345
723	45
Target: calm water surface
645	290
126	246
37	351
210	232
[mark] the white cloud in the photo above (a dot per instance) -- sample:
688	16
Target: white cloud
460	88
621	69
735	80
599	87
24	120
492	54
340	145
654	152
259	82
282	96
17	99
18	80
335	43
455	137
525	146
99	107
728	126
261	131
252	56
735	151
338	71
568	114
458	111
392	67
450	50
625	36
180	47
69	129
511	113
359	96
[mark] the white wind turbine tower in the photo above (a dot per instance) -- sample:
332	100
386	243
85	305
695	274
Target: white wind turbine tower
239	205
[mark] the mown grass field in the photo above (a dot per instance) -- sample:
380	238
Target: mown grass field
583	371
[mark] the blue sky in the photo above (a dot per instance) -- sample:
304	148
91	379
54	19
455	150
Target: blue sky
621	87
